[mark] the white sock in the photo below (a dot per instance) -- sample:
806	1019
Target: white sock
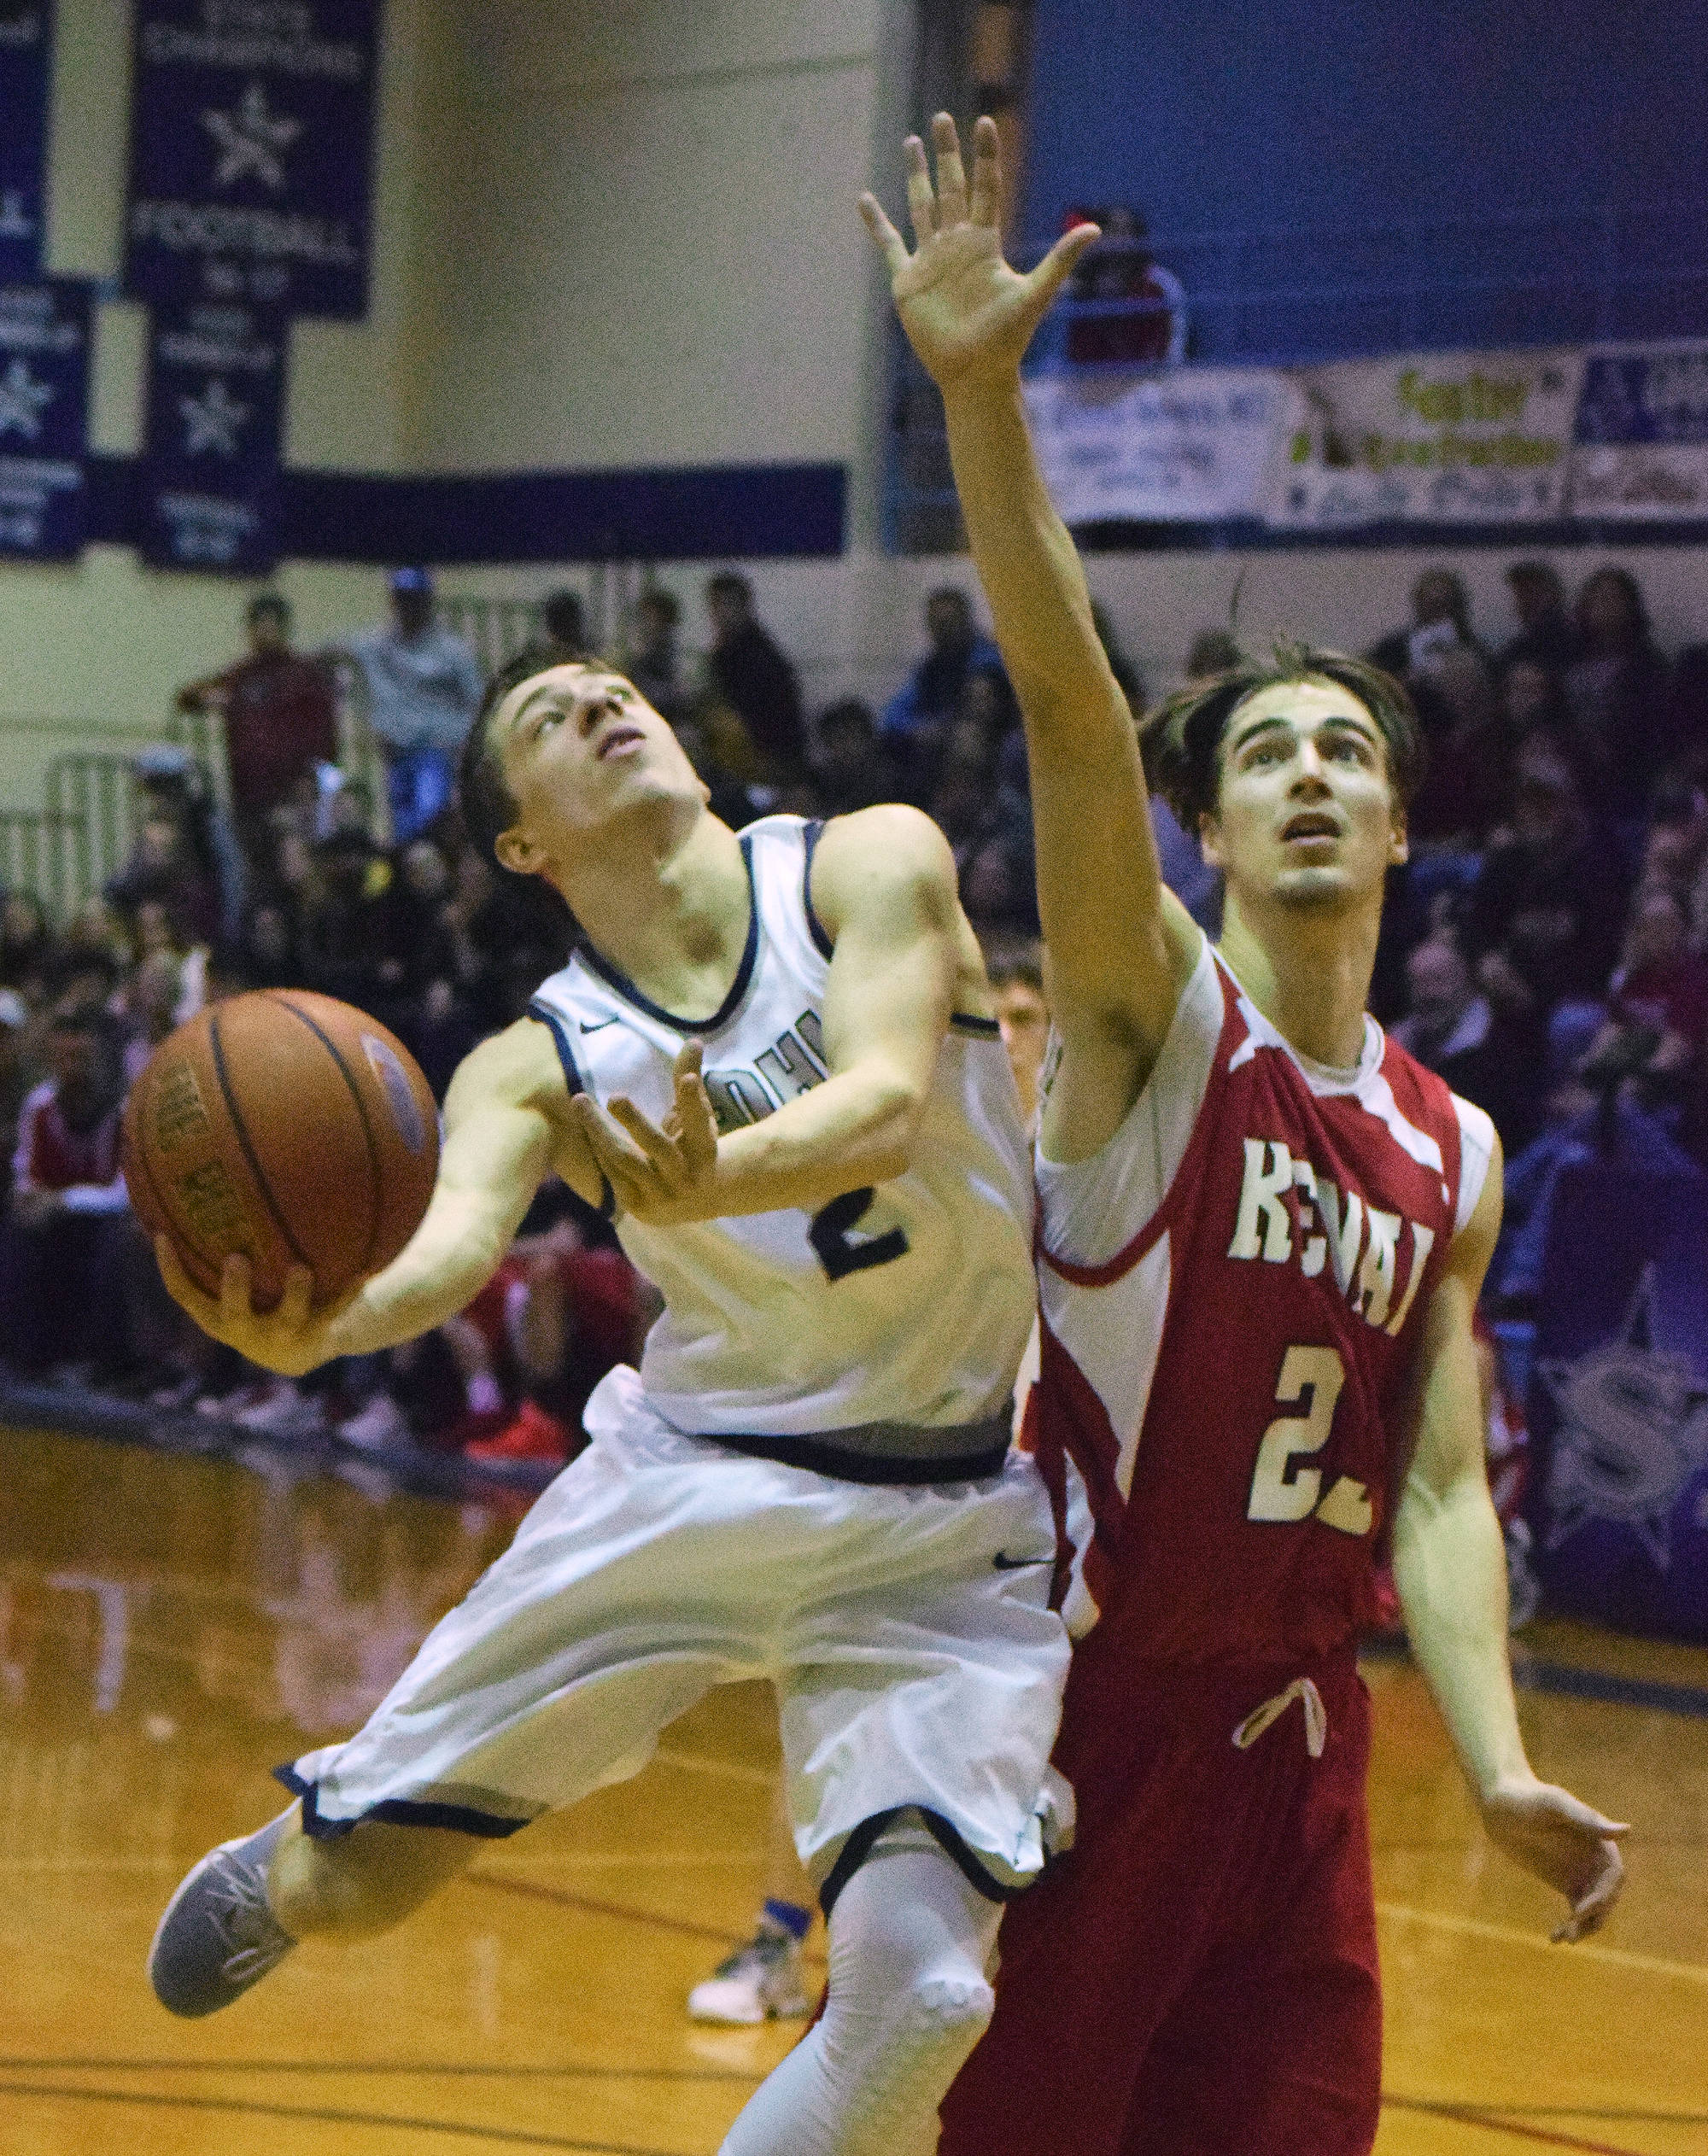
910	1940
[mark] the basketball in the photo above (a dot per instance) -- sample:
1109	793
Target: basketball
288	1127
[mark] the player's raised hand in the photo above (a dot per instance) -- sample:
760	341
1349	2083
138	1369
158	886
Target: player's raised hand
966	313
1565	1843
663	1173
290	1340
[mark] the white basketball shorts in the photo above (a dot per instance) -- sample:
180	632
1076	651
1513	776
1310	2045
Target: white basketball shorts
907	1630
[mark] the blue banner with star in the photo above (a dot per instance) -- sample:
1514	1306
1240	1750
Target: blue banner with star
251	153
210	468
43	419
26	42
1618	1396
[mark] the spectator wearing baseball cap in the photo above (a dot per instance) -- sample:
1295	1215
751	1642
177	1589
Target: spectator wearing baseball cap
422	686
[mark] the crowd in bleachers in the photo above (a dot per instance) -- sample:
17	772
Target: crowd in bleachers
1546	948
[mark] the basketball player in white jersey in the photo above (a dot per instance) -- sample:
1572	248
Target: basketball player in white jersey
774	1055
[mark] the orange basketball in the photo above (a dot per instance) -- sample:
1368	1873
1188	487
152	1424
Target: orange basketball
286	1126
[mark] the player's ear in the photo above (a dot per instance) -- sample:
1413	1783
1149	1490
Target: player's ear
1399	840
1210	839
518	852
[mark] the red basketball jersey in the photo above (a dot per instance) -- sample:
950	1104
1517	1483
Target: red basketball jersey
1232	1291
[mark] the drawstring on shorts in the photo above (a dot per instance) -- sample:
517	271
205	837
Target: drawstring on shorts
1259	1718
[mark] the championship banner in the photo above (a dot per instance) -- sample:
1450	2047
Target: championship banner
210	469
25	40
251	150
1643	433
1429	438
1192	446
1619	1399
43	419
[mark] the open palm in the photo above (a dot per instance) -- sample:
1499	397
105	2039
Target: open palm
968	315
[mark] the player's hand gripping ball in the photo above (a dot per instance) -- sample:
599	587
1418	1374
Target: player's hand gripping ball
286	1127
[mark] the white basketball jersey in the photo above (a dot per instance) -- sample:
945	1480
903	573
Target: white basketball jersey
907	1304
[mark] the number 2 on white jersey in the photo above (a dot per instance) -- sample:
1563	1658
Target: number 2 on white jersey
1281	1490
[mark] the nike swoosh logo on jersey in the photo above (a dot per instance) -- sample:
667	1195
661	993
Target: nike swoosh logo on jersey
600	1028
1003	1563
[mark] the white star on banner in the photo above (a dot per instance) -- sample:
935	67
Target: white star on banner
23	400
251	140
211	421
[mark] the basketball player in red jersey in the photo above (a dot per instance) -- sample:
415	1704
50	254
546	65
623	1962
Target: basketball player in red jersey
1263	1231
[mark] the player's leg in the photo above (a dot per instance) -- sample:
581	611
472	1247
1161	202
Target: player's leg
363	1883
910	1940
1277	2042
554	1674
762	1980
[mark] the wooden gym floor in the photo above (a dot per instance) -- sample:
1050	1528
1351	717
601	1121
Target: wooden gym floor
170	1627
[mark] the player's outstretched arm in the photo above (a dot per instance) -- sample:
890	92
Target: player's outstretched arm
1450	1567
884	890
504	1126
1119	954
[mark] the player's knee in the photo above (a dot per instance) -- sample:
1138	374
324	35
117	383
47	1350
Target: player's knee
946	2009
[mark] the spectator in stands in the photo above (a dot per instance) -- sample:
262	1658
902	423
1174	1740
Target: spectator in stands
1017	972
1467	782
652	661
1543	917
346	932
1546	636
1532	701
266	950
26	945
563	622
749	675
1495	1059
163	869
916	719
423	684
279	720
14	1081
1127	309
1440	621
854	768
64	1245
1657	1026
148	1008
1617	691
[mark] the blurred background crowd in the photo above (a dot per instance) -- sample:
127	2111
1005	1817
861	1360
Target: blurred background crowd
1546	947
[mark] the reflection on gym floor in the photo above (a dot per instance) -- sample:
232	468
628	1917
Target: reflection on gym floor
171	1628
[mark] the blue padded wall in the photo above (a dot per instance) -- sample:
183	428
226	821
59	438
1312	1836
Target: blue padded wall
1343	176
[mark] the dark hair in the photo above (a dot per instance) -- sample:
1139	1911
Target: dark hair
561	612
663	603
731	583
273	603
488	806
850	711
1622	580
1007	961
1182	739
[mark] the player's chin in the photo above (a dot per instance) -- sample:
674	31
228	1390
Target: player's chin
1310	884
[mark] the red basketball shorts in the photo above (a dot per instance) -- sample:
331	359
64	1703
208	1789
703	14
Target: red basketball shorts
1198	1976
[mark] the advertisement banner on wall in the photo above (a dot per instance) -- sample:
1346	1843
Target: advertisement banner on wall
1643	433
26	42
216	385
43	419
251	153
1429	438
1193	445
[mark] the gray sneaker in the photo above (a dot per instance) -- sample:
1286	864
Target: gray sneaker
219	1935
761	1981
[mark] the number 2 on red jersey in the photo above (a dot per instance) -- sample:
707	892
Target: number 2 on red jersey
1283	1488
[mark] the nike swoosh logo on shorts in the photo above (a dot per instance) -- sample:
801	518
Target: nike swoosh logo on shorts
1003	1563
600	1028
